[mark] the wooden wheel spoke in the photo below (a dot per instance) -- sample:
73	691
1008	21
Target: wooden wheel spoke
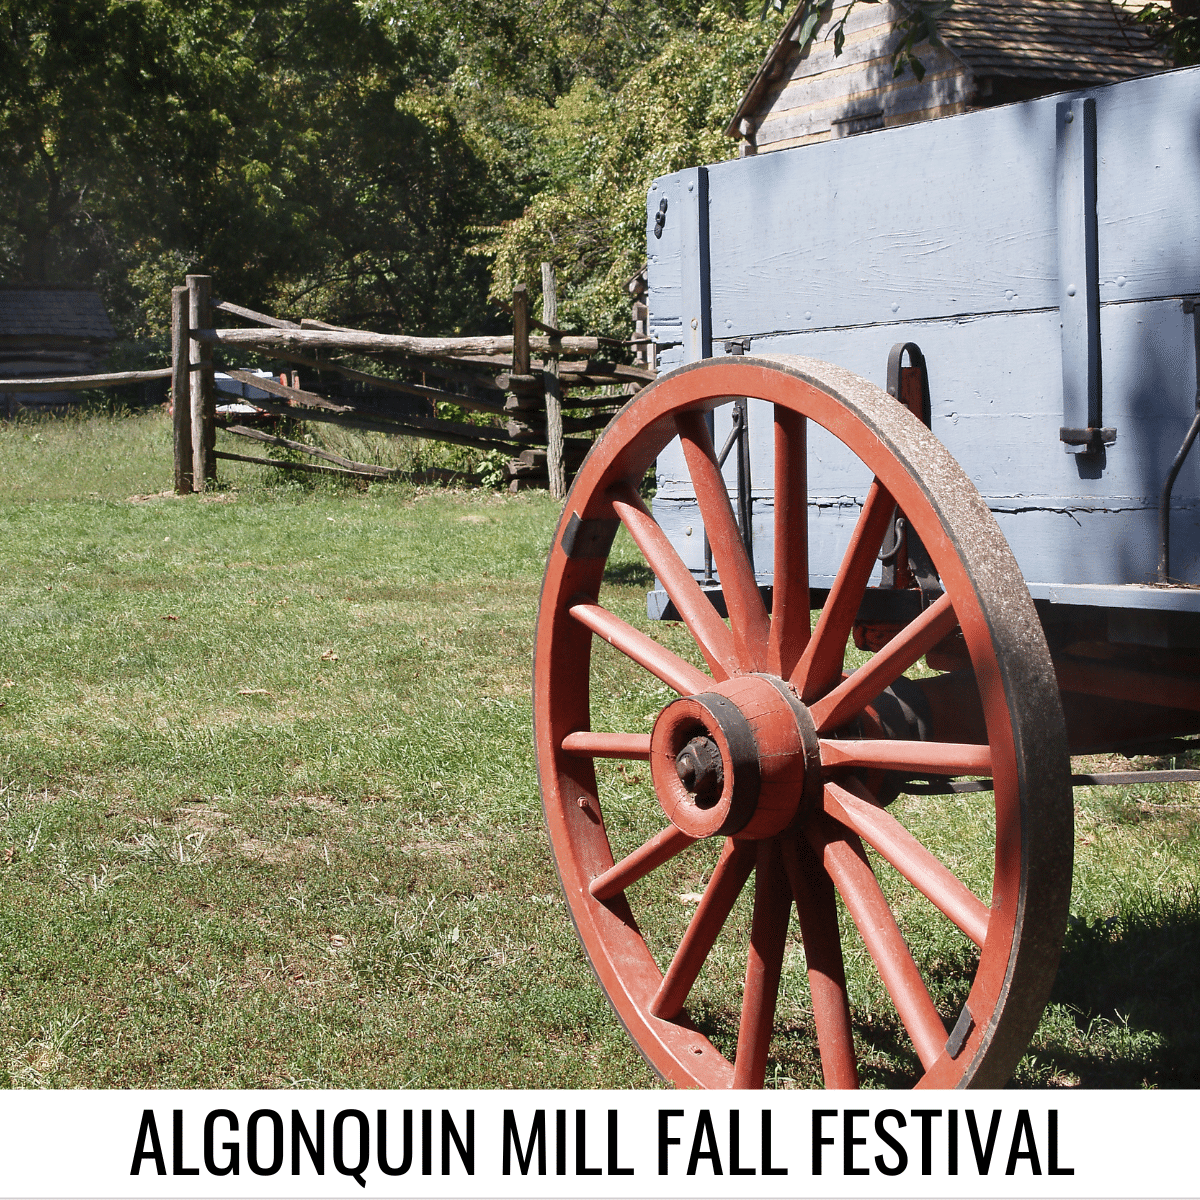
703	621
674	671
852	695
846	861
821	663
927	873
661	848
816	907
790	615
747	613
764	964
587	744
728	878
920	758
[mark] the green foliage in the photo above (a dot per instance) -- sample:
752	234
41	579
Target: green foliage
918	26
1176	27
491	472
289	148
599	153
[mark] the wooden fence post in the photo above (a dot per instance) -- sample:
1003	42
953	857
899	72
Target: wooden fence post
181	392
553	392
520	306
203	387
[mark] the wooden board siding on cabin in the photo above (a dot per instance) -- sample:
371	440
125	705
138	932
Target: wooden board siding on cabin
817	89
842	98
52	331
945	234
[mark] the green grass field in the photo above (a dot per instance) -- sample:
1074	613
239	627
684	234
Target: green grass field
269	813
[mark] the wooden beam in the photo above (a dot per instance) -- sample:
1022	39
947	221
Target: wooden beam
284	465
272	439
238	311
456	433
485	347
323	364
520	337
79	383
433	395
553	392
292	395
181	396
203	386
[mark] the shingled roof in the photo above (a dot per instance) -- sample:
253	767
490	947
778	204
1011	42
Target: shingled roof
1077	42
39	312
1008	49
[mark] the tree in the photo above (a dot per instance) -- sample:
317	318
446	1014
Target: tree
600	150
1176	27
292	148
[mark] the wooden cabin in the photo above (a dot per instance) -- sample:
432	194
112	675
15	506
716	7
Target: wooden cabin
994	52
50	331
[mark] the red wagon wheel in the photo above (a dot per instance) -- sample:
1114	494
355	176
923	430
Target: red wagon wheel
774	755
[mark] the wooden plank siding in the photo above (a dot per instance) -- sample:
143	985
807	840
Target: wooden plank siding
817	96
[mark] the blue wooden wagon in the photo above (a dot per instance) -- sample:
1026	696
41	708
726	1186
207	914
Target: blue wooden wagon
939	383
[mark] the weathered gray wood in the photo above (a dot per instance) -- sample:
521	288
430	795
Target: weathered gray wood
536	421
284	465
943	245
181	397
292	395
1148	170
618	371
555	467
520	378
396	385
572	380
81	383
996	404
203	384
664	298
816	103
272	439
475	379
486	348
238	311
519	346
482	437
946	234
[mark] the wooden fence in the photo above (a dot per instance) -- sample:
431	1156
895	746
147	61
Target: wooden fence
77	383
525	383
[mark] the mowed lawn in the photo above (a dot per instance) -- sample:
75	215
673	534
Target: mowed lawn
269	812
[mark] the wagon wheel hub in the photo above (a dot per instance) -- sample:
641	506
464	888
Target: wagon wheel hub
740	759
701	770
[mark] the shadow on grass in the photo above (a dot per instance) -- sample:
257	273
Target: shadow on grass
633	574
1122	1014
1128	997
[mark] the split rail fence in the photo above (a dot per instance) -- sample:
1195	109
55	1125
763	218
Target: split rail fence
541	389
